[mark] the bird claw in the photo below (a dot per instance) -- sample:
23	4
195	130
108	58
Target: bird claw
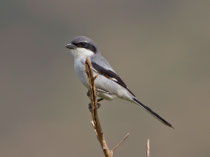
88	93
90	106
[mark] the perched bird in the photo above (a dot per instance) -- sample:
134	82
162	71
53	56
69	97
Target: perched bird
108	84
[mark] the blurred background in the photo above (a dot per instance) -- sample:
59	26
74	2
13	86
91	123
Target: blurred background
159	48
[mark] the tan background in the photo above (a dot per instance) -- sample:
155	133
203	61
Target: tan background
161	49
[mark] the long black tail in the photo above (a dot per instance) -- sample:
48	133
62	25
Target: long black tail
153	113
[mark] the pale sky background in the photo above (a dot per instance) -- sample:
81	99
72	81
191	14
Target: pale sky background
161	49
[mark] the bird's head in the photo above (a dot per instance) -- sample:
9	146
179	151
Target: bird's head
82	46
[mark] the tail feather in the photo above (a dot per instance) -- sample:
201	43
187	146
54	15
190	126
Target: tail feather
153	113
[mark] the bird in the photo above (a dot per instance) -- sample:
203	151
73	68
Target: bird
108	83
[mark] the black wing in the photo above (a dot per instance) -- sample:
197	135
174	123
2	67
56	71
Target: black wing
110	75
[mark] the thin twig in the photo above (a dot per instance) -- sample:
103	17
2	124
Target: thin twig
95	120
123	140
148	148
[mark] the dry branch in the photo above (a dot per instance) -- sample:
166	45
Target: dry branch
95	120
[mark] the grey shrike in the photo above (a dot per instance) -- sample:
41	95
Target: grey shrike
108	84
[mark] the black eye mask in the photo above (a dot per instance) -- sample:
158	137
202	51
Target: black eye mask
86	46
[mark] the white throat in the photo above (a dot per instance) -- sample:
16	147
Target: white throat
81	52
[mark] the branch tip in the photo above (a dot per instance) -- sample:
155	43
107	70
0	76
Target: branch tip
148	148
123	140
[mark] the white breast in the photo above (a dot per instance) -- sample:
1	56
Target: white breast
79	67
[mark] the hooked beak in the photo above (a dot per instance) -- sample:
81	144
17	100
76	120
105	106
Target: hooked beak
70	46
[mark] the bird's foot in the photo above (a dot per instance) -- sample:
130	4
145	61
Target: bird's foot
88	93
90	106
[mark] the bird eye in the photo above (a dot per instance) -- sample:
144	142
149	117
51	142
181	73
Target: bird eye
85	45
82	44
